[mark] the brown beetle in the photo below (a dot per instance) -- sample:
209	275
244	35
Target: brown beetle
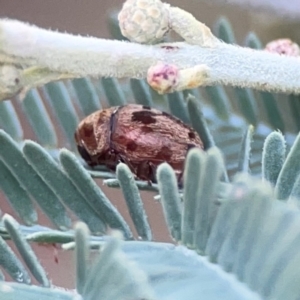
139	136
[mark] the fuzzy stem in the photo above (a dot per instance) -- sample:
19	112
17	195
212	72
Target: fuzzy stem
79	56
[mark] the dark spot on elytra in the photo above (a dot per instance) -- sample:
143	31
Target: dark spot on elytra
192	135
87	131
146	107
144	116
131	146
146	129
165	153
165	75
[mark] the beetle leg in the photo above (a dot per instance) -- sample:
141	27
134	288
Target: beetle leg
128	163
180	180
152	172
111	159
146	171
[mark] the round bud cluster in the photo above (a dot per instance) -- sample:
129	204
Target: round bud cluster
163	77
144	21
283	47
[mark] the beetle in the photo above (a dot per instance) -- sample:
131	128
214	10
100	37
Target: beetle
137	135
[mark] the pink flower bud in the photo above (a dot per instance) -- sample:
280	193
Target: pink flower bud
163	77
283	47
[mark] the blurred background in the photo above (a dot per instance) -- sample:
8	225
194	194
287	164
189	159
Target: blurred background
268	19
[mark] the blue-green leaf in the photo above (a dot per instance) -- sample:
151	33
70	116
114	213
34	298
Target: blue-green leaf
60	184
134	202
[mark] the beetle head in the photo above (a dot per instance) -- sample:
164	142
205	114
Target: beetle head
92	136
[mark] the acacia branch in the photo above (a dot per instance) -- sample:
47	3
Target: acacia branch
41	56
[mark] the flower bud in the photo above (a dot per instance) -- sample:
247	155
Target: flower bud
144	21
